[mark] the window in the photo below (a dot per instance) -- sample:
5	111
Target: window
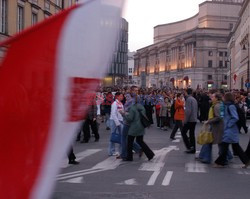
20	18
209	77
225	54
220	64
225	77
59	3
226	64
130	70
34	18
221	54
70	3
3	18
210	53
210	63
47	5
231	25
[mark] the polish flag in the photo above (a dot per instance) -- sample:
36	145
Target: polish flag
46	76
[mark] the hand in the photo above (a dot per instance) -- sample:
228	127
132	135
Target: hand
94	119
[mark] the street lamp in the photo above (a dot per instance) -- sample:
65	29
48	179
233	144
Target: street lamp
244	48
230	72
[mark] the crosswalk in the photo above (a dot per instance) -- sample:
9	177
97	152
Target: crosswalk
157	167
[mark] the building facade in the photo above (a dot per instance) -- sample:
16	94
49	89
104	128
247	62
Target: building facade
16	15
192	52
117	73
238	48
131	64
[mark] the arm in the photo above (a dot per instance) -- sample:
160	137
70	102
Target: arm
130	116
234	116
188	110
114	114
217	117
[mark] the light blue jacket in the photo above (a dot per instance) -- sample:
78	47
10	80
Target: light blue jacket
231	131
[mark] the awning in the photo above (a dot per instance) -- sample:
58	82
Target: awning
186	78
224	83
210	82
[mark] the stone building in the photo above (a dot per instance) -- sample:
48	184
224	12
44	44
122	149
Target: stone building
192	52
238	48
16	15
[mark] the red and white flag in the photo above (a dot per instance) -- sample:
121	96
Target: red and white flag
45	77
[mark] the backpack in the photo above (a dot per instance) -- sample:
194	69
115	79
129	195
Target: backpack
222	110
239	112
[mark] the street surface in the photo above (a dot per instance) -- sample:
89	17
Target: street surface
171	174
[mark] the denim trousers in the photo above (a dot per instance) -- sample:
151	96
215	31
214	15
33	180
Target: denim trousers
124	142
112	145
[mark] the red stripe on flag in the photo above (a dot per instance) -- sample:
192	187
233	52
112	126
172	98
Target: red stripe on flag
27	77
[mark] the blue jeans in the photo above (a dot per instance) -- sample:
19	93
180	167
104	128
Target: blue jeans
206	153
124	142
111	149
107	120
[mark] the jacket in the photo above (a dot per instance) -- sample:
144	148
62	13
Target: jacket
231	131
179	110
217	124
133	117
191	110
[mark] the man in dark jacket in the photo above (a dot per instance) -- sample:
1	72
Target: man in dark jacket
91	121
191	111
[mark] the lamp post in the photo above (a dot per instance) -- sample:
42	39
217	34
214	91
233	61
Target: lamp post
230	72
244	48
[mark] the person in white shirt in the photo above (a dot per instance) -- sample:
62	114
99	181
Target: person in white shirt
116	122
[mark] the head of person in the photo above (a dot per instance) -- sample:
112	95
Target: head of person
229	98
189	91
215	97
119	96
179	96
134	90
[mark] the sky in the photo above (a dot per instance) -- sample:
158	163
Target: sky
144	15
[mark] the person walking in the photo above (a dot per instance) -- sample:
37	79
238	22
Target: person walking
179	115
231	134
136	130
191	112
90	120
116	122
216	123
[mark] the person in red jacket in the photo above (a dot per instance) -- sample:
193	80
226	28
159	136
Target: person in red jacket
179	115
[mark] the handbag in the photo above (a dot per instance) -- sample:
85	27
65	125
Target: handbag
116	136
205	136
144	119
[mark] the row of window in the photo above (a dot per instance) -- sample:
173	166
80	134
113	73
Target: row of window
118	69
120	57
221	53
123	47
210	77
221	65
20	13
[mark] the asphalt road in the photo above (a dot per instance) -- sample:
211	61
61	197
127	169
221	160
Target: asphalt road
171	174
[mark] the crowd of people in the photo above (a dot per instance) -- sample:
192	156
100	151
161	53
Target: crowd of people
122	110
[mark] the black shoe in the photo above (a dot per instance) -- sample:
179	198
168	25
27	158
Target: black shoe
190	151
73	162
96	140
151	157
107	128
127	160
140	153
84	141
172	138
